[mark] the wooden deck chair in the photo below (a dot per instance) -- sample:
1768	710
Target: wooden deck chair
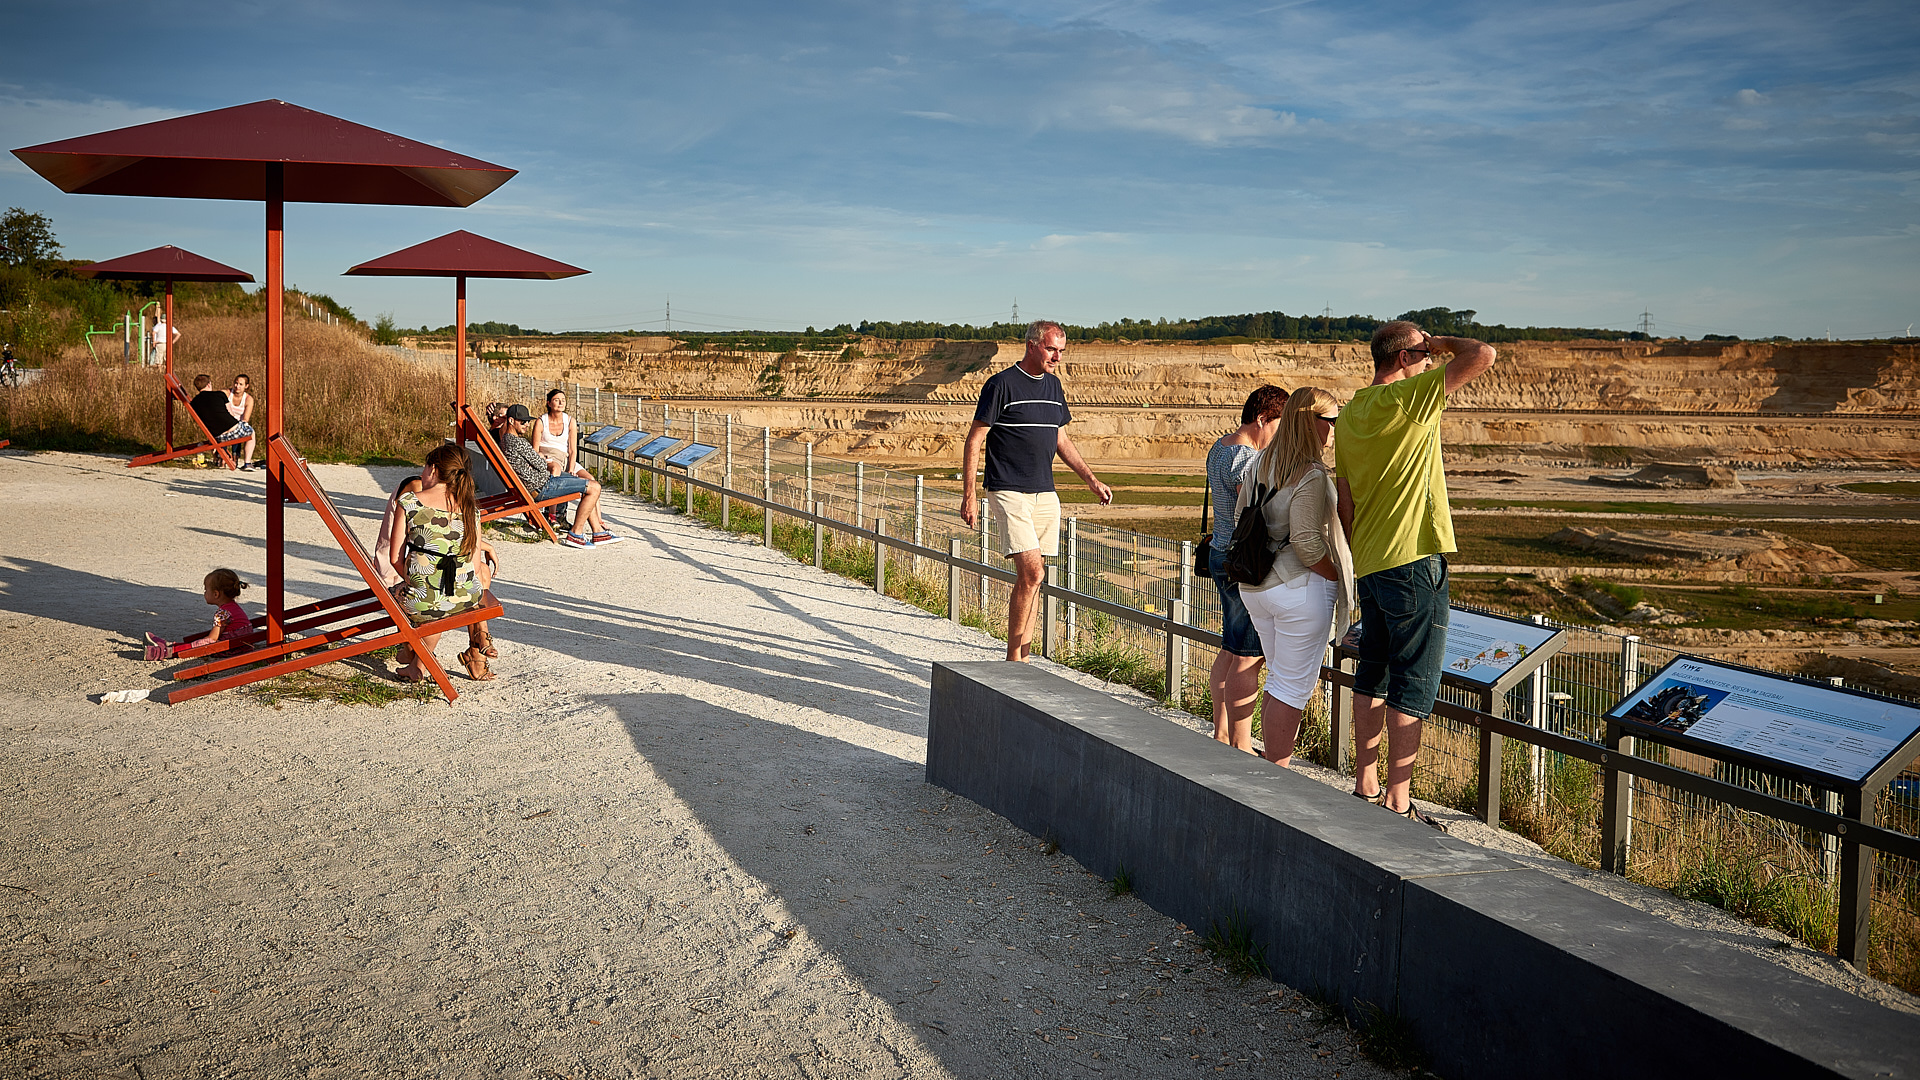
178	393
342	626
516	499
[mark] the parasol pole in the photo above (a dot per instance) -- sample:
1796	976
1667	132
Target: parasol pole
168	397
276	341
460	345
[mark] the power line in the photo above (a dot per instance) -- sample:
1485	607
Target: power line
1646	323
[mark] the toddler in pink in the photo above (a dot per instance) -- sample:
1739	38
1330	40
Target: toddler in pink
223	589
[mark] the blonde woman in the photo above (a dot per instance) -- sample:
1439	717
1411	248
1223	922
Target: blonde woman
1307	597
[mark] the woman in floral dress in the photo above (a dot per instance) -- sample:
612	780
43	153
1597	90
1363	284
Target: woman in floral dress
435	551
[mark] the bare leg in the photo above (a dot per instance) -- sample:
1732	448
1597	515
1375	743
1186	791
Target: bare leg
590	509
1403	746
1031	566
1369	718
413	672
246	452
1280	723
1235	681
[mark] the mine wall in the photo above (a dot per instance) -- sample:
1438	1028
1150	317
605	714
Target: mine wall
1764	403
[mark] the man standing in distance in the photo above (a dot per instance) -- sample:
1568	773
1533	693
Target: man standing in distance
1393	506
1021	420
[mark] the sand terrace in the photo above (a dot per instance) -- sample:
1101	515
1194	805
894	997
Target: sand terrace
685	833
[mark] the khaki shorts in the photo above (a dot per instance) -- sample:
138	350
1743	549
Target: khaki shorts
1027	521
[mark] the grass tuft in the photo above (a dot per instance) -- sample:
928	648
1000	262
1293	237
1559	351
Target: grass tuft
1387	1038
1234	948
1122	883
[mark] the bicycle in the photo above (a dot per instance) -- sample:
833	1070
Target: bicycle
9	371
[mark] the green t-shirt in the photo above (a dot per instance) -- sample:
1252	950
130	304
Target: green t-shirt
1387	448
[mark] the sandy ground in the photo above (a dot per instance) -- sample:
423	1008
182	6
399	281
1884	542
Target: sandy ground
685	834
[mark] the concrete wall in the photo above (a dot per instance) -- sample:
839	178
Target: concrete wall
1501	970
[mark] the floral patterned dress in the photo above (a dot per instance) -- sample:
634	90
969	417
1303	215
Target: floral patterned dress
439	580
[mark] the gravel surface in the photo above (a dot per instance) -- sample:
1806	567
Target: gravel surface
684	834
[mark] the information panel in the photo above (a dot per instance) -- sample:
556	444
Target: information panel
628	441
602	435
1486	651
692	454
658	446
1484	648
1816	729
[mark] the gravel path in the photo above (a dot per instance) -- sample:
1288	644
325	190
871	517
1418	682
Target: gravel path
685	834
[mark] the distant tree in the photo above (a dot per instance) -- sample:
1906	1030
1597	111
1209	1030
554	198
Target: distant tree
27	239
384	332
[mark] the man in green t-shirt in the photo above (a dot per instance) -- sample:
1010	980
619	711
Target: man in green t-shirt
1393	506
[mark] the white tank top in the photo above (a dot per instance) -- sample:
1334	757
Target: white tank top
544	439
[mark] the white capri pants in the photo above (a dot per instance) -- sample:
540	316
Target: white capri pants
1295	621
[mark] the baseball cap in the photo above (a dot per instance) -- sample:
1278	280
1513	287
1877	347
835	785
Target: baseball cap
518	412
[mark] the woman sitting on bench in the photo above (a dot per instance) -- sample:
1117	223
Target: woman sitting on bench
435	550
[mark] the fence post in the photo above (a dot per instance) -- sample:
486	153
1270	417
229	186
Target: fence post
859	492
953	579
1492	749
689	486
879	556
1856	885
1340	719
919	516
1049	611
596	405
1176	653
726	479
1537	716
1829	843
809	501
1073	573
986	538
819	535
766	485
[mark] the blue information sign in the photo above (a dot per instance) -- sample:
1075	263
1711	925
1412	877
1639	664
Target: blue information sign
628	441
658	446
693	454
602	435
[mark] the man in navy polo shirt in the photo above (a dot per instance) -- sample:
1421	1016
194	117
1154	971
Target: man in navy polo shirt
1021	420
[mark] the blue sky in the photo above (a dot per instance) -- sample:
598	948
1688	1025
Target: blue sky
1749	168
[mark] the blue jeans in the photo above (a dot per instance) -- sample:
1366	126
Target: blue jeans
1403	635
565	484
1235	627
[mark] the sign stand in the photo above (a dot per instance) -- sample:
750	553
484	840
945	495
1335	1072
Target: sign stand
1831	737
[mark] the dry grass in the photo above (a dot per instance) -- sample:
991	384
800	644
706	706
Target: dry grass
345	399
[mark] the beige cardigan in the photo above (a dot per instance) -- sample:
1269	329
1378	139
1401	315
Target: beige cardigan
1307	514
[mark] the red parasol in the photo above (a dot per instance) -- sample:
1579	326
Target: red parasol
461	255
270	151
173	264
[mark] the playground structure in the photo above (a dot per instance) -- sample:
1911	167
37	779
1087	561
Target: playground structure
173	264
461	255
270	152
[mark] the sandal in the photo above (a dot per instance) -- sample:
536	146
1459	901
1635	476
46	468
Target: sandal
1378	798
1413	813
475	662
481	638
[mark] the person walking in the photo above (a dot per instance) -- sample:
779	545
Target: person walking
1307	598
1392	491
1021	422
1236	667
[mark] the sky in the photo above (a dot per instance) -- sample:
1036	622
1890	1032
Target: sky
1749	168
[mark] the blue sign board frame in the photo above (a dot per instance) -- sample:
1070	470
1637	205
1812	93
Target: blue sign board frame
692	454
628	441
602	435
658	446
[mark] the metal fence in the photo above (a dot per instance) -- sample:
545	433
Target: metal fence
1561	772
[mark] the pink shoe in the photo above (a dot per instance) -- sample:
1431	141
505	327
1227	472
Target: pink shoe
158	648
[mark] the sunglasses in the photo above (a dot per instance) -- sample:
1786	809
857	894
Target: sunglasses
1328	419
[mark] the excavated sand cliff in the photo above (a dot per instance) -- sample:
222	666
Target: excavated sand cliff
1756	403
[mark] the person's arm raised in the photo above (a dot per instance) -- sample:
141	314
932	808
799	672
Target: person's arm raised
1470	359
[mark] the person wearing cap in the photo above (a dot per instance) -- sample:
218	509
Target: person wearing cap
532	470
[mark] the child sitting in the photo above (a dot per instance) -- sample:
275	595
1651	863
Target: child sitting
222	589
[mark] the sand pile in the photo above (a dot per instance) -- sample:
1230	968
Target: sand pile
1729	549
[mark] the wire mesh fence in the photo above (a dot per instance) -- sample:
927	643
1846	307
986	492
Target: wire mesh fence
1761	868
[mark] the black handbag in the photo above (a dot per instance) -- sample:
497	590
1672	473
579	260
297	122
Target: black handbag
1250	555
1202	558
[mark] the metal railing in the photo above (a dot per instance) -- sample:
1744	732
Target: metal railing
1640	807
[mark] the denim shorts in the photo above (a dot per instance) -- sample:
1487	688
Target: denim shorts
1403	634
564	484
1235	627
